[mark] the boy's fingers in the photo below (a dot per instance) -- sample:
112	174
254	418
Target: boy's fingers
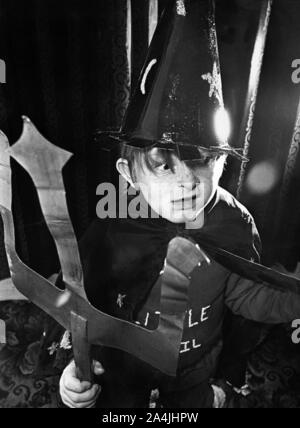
71	382
84	398
74	385
88	405
98	369
66	401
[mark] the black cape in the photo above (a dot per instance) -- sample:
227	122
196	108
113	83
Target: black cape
125	256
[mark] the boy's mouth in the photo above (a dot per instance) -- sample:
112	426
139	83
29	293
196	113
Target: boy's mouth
186	199
185	203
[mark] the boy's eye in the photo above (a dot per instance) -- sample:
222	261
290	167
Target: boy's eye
163	167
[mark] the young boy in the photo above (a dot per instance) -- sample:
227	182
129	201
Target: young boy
174	152
126	382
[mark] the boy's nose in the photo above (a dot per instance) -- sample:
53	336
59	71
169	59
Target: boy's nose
185	177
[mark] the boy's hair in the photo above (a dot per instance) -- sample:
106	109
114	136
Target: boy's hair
141	158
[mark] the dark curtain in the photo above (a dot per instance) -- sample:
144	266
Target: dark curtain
71	66
275	140
68	70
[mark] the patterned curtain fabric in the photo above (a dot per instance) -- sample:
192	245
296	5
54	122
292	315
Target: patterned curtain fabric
274	143
70	66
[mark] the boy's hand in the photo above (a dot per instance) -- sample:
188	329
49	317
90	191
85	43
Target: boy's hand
76	394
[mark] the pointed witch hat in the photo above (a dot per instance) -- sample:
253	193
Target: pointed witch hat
178	102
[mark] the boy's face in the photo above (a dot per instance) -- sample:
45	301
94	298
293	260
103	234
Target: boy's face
178	191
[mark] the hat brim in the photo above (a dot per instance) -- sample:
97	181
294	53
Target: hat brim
184	150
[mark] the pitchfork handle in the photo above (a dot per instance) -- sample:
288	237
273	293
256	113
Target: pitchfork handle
81	348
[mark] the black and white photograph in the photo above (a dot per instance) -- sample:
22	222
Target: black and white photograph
149	207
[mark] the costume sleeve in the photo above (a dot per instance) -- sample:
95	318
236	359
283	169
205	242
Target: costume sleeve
261	302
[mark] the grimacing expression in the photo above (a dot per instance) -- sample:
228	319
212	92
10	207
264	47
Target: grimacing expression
177	191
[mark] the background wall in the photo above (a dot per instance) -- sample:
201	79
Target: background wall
71	66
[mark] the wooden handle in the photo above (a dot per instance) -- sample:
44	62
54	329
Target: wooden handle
81	348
